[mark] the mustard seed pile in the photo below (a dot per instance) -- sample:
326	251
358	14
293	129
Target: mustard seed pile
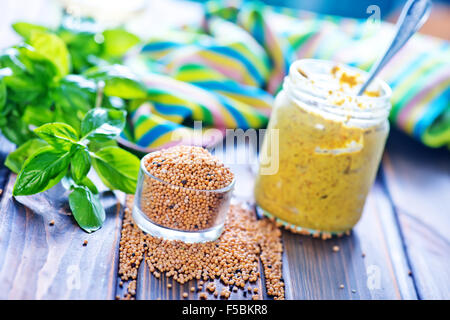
184	196
233	258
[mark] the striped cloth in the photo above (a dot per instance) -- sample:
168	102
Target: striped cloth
226	70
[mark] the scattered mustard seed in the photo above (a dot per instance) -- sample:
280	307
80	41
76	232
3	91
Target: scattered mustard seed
336	248
51	223
234	258
85	242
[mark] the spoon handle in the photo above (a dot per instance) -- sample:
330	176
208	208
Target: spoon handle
412	17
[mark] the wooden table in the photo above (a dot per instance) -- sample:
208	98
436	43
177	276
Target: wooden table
399	250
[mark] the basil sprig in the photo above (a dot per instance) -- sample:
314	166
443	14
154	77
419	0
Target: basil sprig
37	86
69	85
68	154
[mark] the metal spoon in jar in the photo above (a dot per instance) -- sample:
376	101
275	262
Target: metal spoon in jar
412	17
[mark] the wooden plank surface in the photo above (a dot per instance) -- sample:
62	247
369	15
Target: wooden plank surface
39	261
370	262
404	227
418	182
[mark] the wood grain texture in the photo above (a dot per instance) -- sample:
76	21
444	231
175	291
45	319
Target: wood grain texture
315	271
151	288
418	181
39	261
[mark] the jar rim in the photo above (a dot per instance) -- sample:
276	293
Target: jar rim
300	87
222	190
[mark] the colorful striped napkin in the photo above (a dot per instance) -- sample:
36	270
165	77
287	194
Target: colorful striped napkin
226	70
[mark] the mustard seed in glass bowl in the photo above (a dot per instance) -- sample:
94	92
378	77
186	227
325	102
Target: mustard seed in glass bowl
183	193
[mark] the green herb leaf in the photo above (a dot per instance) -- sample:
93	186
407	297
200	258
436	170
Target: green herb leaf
16	130
29	74
39	112
59	135
95	145
80	164
37	64
117	168
3	93
71	118
68	183
119	81
15	160
82	45
53	48
88	183
41	171
102	124
75	93
86	209
118	41
25	29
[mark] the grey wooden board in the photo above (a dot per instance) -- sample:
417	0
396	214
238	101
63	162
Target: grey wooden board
418	182
39	261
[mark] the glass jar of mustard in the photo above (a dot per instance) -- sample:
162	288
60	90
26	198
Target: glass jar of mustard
327	143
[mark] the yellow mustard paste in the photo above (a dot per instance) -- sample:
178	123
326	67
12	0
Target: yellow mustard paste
326	167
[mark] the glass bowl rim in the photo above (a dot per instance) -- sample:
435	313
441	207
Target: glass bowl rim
222	190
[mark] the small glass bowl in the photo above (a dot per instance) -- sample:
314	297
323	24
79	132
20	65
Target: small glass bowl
173	212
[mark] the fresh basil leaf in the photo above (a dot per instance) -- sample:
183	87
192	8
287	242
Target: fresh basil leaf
95	145
88	183
38	66
86	209
117	168
82	45
10	59
3	94
53	48
117	42
102	124
75	94
24	84
119	81
113	103
68	183
80	163
39	112
71	118
59	135
41	171
15	160
16	130
25	29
